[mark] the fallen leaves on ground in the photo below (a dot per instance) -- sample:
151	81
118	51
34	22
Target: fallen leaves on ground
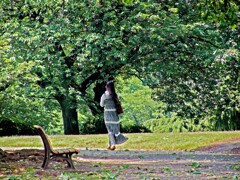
26	164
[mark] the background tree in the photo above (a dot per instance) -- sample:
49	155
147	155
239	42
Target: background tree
20	108
139	105
69	49
75	45
197	89
225	12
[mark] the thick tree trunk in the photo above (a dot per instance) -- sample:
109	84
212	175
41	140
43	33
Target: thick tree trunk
97	110
69	114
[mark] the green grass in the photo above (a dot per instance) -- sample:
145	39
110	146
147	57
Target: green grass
141	141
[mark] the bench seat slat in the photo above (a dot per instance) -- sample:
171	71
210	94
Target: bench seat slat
64	151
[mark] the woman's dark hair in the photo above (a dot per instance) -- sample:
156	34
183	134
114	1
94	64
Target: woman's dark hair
111	87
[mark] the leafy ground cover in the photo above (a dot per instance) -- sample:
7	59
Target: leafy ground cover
103	164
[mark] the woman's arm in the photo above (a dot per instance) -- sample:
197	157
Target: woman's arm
102	100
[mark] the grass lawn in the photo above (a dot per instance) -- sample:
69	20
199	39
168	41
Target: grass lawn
141	141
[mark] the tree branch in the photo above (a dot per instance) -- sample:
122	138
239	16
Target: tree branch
203	40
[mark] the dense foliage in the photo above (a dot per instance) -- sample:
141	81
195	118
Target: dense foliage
57	55
204	85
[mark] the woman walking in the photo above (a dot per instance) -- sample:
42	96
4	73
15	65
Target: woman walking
111	119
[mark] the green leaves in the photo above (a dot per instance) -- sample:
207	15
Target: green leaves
224	12
137	102
64	49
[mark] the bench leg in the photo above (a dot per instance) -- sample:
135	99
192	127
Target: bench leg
69	161
67	157
46	160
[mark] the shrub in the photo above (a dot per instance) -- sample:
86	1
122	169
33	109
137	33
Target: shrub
9	128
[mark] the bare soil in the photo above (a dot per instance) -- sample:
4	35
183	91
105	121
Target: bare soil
218	161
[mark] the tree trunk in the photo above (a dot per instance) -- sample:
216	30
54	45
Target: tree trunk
96	109
69	114
99	89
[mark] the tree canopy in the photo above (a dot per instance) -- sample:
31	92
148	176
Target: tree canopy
62	52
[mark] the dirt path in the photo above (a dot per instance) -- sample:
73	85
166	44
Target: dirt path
220	161
232	147
163	165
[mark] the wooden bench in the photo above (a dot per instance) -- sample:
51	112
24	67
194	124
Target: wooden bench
50	153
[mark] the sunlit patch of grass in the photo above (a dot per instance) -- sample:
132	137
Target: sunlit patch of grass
141	141
235	177
108	175
138	172
196	165
236	167
93	175
81	176
19	174
125	166
165	169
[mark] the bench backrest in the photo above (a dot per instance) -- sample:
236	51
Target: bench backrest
45	139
